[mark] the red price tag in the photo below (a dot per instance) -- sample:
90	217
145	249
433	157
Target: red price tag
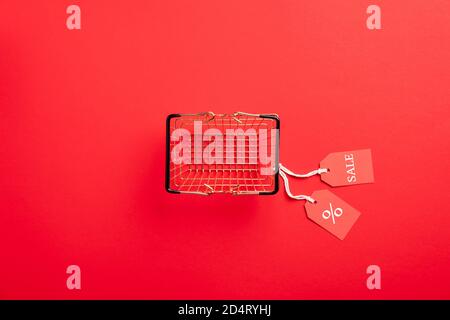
348	168
331	213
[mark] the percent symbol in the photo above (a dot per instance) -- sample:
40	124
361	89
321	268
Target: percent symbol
336	213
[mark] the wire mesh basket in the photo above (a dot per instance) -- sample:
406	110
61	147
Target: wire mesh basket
209	153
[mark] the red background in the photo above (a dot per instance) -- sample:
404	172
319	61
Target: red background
82	117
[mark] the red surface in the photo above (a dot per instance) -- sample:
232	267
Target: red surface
82	118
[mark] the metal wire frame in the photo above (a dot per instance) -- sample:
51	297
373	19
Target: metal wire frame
238	178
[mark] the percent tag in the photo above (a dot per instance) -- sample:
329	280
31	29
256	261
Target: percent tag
348	168
331	213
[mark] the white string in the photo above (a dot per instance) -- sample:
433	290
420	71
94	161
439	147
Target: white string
306	175
288	191
283	171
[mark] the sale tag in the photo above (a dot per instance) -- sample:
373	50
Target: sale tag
347	168
331	213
